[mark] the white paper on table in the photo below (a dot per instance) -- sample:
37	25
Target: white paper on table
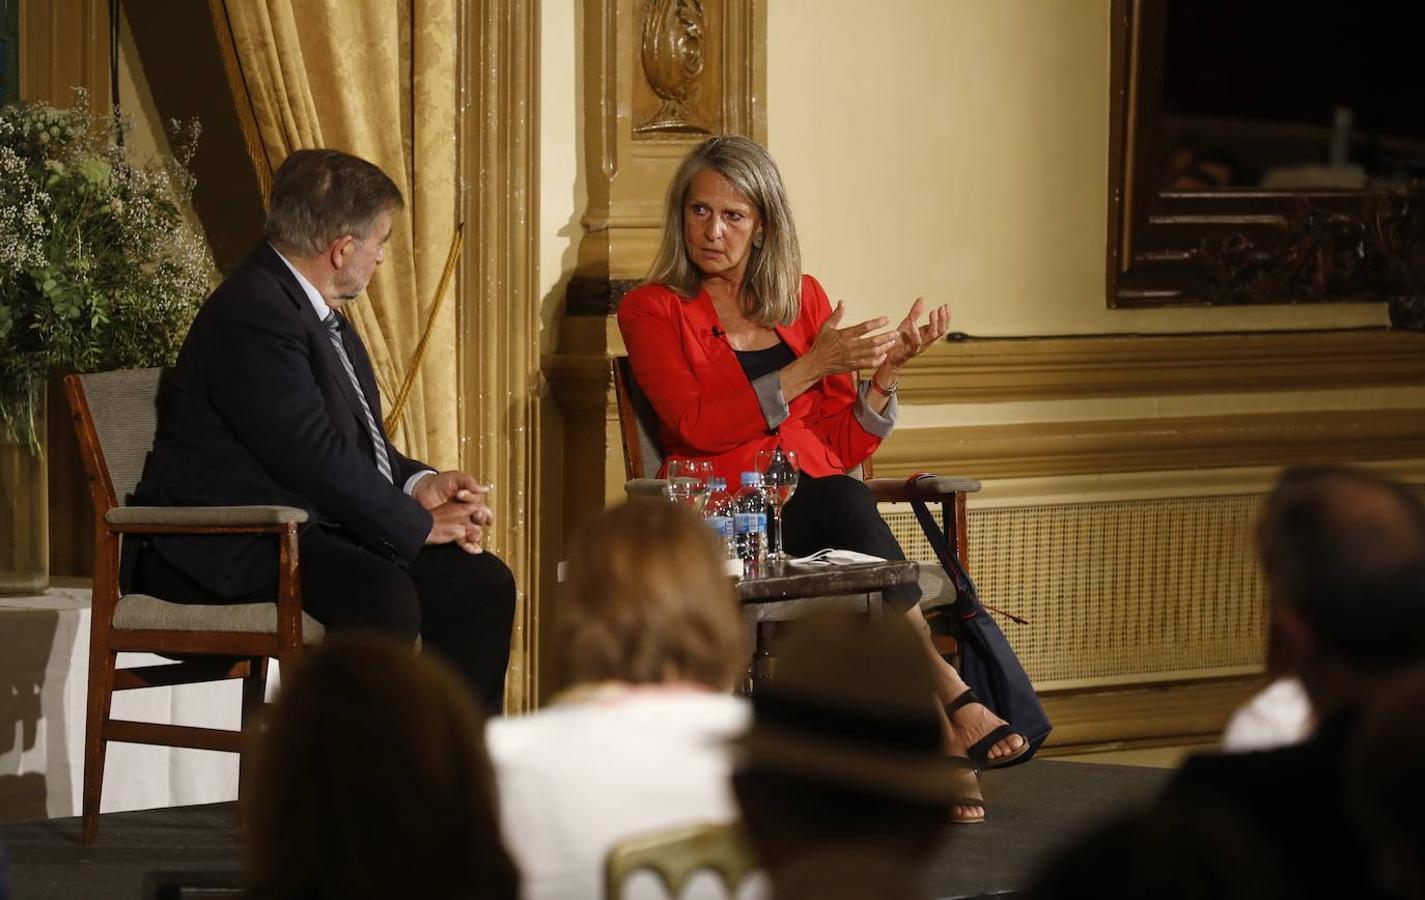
833	557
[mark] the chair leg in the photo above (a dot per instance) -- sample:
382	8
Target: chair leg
101	694
254	689
254	694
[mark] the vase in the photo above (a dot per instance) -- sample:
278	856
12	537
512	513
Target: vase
24	517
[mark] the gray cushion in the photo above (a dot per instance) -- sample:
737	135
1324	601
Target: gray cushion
140	612
204	515
936	588
646	489
124	405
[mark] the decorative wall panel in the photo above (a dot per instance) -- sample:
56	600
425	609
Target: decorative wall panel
1121	592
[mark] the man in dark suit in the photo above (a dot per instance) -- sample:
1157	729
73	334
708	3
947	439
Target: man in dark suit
273	401
1344	556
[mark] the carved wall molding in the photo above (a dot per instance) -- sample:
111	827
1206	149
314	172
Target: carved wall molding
671	45
1398	226
1037	449
987	370
1319	254
1161	714
498	313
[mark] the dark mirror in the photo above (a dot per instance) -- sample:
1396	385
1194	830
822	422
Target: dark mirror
1287	96
1262	152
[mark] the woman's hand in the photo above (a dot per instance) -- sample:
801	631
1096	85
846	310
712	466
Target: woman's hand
911	339
838	350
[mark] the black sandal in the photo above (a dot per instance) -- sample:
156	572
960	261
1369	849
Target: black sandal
968	791
979	751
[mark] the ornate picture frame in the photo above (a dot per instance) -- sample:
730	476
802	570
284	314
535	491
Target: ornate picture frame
1237	246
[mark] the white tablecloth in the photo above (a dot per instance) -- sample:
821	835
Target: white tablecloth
44	663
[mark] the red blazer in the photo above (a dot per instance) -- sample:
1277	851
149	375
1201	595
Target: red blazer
707	408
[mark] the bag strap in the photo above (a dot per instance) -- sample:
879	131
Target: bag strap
943	539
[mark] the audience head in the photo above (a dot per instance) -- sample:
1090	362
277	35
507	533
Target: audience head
1172	852
771	288
647	601
845	745
1385	782
1343	551
372	780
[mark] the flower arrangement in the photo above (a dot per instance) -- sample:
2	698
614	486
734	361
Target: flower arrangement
97	266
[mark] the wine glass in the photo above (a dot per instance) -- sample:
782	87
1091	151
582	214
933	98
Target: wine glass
688	482
778	469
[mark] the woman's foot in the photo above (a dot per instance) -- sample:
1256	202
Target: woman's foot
989	740
972	811
970	721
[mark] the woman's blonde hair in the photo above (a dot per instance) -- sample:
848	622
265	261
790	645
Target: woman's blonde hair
771	291
372	780
647	601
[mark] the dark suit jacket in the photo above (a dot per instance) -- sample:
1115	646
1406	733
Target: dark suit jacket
1294	798
259	410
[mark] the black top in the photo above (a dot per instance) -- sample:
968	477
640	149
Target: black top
756	363
1295	799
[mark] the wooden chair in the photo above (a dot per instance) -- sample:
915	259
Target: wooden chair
115	419
677	854
643	457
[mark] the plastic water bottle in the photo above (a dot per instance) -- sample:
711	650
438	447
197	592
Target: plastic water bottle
718	512
749	524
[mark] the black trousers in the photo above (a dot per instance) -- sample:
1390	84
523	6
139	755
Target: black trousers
462	605
840	511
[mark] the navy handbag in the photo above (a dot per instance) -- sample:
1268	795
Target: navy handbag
987	662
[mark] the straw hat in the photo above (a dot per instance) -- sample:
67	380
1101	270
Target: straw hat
853	705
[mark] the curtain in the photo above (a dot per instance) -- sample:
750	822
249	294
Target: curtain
375	78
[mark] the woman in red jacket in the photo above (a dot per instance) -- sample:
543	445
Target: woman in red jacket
738	351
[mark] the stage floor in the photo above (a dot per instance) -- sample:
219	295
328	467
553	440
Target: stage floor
1032	809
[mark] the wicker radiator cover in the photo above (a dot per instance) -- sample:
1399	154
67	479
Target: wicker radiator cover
1119	592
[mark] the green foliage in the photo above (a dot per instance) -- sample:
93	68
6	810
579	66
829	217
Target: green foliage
98	268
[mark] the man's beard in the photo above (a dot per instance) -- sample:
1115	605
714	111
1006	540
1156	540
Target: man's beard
348	291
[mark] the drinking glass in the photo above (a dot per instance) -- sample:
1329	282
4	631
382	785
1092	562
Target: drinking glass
778	470
688	482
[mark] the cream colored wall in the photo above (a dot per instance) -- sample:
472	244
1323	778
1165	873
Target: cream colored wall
562	192
958	149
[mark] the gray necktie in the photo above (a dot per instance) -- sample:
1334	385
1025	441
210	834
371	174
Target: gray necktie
378	443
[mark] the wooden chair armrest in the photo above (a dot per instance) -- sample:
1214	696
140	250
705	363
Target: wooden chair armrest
203	519
936	487
646	488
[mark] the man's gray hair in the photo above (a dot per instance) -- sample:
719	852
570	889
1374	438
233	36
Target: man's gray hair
320	195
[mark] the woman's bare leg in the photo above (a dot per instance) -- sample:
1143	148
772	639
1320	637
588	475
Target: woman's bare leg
972	721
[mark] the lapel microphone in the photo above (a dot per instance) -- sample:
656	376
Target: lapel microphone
718	332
